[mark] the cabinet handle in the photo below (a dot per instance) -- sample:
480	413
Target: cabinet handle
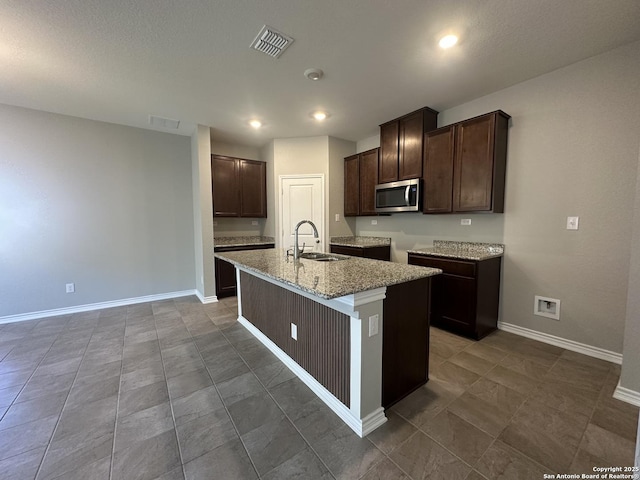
406	194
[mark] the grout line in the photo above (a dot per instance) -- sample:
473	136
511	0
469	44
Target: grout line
55	429
166	380
274	400
224	404
115	426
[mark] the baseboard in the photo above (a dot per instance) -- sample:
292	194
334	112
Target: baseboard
203	299
583	348
94	306
360	426
627	395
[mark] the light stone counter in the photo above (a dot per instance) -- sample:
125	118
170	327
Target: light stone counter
461	250
327	279
245	241
360	242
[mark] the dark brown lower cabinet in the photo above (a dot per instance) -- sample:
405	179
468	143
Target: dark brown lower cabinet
465	298
377	253
405	344
225	273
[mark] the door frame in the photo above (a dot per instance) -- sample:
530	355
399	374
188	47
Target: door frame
322	226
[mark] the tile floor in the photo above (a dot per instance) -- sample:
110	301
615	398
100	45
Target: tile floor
177	389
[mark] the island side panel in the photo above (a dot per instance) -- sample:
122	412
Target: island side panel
405	351
323	345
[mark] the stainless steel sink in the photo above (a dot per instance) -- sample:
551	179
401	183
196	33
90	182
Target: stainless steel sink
323	257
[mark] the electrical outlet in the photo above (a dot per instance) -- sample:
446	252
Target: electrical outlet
572	223
71	287
373	324
465	221
374	222
215	224
337	217
254	222
294	331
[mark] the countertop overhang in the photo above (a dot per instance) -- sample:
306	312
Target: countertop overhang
461	250
360	242
326	280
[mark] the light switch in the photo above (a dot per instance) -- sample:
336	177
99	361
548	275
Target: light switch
572	223
465	221
337	217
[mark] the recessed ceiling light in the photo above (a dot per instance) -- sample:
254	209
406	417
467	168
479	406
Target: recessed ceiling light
255	123
319	115
313	73
448	41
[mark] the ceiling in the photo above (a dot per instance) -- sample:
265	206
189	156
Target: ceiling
122	60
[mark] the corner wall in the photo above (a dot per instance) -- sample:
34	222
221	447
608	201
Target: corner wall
104	206
203	213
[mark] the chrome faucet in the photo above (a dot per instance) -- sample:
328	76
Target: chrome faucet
297	251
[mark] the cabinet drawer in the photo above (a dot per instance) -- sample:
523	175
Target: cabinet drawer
452	267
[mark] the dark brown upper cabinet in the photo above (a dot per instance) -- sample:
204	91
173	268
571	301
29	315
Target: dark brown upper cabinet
401	145
239	187
480	163
464	166
225	180
352	186
360	179
437	185
253	189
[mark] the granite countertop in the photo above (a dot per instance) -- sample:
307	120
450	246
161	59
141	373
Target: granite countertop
360	242
461	250
327	279
242	241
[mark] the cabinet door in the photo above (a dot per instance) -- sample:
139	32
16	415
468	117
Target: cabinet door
225	279
368	182
473	167
225	180
351	186
388	171
410	146
253	189
454	302
437	193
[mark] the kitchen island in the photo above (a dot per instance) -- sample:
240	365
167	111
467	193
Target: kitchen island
355	330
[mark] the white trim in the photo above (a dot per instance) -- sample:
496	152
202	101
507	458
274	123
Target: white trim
203	299
583	348
361	426
627	395
21	317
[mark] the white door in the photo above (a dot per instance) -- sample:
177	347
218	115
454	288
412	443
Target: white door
302	199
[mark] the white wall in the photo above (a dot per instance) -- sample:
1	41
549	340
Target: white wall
202	211
104	206
338	150
573	150
299	156
630	376
309	155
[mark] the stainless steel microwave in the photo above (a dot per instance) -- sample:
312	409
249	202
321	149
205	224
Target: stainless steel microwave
402	196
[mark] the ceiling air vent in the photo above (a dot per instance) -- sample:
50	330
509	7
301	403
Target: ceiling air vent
271	42
163	122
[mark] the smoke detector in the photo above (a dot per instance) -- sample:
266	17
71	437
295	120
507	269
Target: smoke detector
271	41
313	73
